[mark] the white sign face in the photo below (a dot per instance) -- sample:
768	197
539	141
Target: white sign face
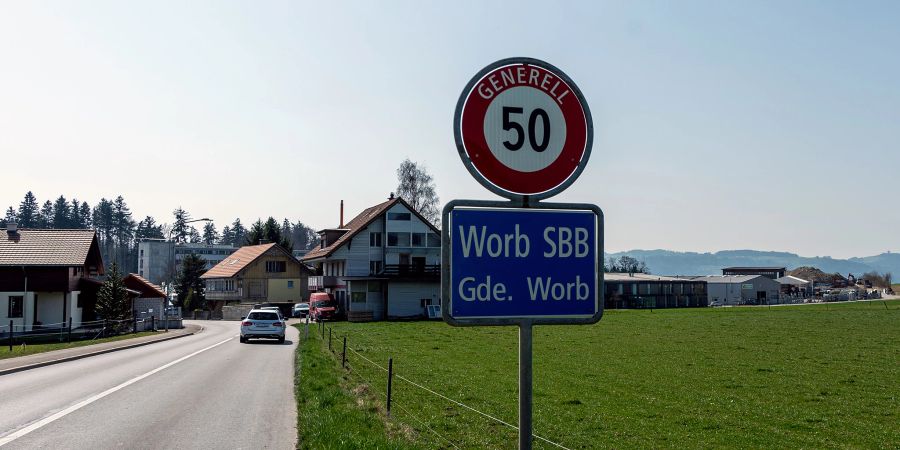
523	129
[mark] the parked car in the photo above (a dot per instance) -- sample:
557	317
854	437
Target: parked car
300	310
323	306
262	323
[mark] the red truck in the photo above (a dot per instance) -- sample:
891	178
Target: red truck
322	306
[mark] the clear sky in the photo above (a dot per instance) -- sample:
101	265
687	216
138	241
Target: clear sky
719	125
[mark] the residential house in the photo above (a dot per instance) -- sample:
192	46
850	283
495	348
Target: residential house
48	276
257	274
151	301
384	263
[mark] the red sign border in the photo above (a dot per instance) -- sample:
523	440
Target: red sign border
507	182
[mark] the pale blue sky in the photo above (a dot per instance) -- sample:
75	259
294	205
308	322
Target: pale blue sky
719	125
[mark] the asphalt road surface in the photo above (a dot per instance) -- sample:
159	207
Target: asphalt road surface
202	391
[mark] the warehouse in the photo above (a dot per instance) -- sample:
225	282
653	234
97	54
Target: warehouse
639	290
741	290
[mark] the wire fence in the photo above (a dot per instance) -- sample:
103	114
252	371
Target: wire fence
13	334
423	390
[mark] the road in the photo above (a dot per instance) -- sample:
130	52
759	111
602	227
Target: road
202	391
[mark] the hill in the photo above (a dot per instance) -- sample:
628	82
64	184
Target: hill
667	262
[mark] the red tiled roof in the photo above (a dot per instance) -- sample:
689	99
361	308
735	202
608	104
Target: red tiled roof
240	259
135	281
50	247
359	223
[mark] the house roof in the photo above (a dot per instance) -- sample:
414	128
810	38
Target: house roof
242	258
359	223
48	247
148	289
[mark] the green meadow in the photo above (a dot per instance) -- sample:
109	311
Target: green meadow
817	376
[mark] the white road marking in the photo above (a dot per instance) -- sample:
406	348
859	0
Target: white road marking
50	419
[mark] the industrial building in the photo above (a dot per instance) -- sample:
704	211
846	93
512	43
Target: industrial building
159	260
639	290
768	272
741	290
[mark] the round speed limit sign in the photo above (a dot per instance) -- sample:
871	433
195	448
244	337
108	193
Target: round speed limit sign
523	128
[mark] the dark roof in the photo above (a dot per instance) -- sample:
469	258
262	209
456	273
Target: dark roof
359	223
49	247
754	268
242	258
147	289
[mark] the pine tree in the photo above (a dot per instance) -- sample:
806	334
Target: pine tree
84	216
148	229
210	235
303	236
180	230
61	213
74	217
239	233
103	223
194	236
28	212
188	285
10	216
112	299
268	232
45	219
123	228
227	237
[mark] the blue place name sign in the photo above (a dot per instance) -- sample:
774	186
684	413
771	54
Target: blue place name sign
520	263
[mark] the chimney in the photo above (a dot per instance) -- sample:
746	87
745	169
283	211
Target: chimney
391	197
342	214
12	228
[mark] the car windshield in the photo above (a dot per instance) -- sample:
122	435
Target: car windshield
258	315
301	305
325	304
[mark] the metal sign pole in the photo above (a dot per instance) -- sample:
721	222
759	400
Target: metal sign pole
525	398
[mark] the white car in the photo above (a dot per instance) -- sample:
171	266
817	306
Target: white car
262	323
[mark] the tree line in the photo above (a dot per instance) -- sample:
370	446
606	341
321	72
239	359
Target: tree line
119	233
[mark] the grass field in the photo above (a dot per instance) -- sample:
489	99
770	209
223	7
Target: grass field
800	376
30	349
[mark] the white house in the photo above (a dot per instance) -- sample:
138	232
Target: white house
383	264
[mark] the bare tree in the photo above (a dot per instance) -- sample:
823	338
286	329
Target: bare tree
416	186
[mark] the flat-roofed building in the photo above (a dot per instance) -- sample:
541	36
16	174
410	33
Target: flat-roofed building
741	290
639	290
768	272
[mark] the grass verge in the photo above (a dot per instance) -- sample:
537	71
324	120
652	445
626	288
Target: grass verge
811	376
335	410
31	349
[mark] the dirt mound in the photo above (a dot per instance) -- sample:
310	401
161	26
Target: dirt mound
814	274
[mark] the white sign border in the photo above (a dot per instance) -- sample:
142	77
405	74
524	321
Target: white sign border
446	253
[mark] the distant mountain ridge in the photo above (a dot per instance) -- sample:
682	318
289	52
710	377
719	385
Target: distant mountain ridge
667	262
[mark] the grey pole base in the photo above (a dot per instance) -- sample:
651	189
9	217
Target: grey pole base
525	398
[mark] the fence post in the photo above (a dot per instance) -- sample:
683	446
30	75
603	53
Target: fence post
344	354
134	324
69	337
306	333
152	323
103	331
329	340
390	378
10	334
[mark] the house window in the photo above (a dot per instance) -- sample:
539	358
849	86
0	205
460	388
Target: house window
290	284
434	240
374	239
398	216
374	286
398	240
357	297
418	239
15	306
375	267
276	266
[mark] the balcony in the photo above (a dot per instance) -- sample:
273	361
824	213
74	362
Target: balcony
412	270
317	283
236	294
